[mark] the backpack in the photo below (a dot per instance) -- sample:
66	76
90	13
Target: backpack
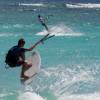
11	59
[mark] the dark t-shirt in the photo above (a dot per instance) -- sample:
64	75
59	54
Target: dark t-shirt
18	51
13	56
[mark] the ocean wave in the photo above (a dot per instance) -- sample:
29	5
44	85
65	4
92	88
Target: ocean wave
60	5
32	4
83	5
67	82
30	96
62	80
6	93
68	5
91	96
9	35
19	26
60	30
28	6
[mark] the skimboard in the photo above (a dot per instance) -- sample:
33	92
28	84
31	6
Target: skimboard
35	60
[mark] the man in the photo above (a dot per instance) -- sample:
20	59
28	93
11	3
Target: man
16	56
42	20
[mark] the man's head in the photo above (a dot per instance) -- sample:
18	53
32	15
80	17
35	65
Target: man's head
21	42
39	15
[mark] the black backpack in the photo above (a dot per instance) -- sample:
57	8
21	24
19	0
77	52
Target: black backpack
11	59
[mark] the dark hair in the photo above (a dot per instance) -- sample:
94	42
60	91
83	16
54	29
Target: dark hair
21	41
39	15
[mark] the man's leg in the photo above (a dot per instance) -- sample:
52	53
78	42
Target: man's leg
25	66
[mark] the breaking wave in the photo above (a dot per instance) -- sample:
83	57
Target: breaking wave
83	5
92	96
34	7
68	5
32	4
18	26
30	96
68	83
9	35
73	83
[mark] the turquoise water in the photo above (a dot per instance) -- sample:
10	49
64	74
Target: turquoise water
70	61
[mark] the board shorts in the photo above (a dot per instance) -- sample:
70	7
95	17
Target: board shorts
19	63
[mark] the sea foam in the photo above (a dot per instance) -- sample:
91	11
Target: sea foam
60	30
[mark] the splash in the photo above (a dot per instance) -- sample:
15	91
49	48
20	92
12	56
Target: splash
30	96
67	82
60	30
66	78
92	96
